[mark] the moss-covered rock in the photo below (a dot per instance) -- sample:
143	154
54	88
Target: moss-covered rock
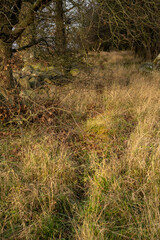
27	70
39	67
74	72
24	82
47	81
33	81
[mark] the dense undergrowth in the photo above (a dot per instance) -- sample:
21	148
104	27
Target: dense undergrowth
85	164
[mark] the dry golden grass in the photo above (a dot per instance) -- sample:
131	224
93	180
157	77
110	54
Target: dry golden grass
94	171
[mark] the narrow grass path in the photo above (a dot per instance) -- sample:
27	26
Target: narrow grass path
86	165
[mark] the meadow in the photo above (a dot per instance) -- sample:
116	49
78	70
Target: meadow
85	164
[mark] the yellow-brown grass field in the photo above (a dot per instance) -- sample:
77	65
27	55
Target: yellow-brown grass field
89	167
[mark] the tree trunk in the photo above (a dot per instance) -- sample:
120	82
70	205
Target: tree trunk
60	28
11	27
6	77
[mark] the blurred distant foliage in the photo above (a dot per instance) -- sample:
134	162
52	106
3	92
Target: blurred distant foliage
59	27
124	24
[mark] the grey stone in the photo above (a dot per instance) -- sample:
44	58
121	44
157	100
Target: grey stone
36	73
6	95
52	91
47	81
42	93
16	75
24	82
146	67
33	81
33	77
27	94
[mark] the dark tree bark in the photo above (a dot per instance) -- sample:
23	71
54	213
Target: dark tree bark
6	78
60	39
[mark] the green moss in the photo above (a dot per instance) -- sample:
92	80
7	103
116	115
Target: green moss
74	72
98	126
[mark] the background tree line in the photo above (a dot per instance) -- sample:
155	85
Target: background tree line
126	24
59	27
